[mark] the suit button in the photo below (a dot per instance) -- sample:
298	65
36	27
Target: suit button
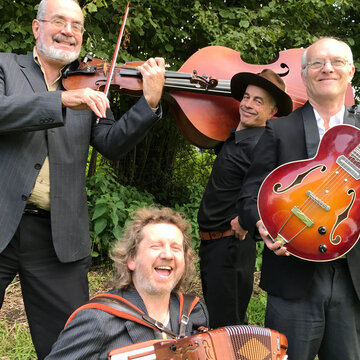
37	166
46	121
24	197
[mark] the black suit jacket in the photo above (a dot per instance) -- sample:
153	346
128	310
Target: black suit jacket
33	124
287	139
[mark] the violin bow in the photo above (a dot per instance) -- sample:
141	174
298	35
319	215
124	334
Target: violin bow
116	52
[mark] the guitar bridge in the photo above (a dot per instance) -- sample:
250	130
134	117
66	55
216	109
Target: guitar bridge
317	200
298	213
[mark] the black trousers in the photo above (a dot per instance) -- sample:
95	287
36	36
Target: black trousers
326	321
227	275
51	290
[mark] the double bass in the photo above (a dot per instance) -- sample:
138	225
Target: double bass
199	92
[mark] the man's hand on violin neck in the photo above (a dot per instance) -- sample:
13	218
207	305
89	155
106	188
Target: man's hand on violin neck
86	99
153	74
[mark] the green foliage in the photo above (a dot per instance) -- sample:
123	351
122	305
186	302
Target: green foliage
193	166
259	251
110	205
256	309
15	342
259	30
190	209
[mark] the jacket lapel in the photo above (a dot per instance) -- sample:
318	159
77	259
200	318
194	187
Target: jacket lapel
32	72
312	137
139	333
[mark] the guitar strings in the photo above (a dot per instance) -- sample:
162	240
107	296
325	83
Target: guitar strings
333	181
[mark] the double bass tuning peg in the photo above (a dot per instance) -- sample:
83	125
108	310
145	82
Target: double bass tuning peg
205	81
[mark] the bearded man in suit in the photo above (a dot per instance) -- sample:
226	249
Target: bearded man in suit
45	136
315	304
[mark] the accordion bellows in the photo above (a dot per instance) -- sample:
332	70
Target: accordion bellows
240	342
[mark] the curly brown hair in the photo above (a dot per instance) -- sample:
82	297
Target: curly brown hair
126	247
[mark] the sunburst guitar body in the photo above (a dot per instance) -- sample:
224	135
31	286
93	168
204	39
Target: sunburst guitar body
312	205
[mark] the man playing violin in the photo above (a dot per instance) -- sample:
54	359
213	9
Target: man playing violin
45	136
227	252
315	304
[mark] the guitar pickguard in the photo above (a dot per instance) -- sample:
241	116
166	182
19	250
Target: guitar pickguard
299	179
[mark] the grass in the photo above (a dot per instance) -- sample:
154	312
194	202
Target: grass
15	342
256	309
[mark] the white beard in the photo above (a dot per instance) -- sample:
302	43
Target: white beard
61	56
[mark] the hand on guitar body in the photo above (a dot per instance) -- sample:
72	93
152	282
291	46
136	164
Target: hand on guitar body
275	246
311	207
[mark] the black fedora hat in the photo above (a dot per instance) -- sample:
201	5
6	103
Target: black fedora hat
267	80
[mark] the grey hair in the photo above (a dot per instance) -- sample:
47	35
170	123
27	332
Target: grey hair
42	9
349	55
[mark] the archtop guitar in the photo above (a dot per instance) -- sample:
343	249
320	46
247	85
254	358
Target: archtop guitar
312	205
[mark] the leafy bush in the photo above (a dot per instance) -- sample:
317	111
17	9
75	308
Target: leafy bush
110	206
190	209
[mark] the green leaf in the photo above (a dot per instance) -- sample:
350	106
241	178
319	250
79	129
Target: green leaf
244	23
99	210
169	48
91	8
100	225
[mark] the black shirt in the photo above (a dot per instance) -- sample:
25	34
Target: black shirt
218	205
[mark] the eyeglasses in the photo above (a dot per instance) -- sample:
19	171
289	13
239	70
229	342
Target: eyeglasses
60	24
320	63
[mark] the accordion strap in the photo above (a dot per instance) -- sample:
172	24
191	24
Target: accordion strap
187	304
120	307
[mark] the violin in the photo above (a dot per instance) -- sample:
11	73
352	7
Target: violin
199	92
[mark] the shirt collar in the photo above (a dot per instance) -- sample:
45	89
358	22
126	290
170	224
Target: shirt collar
336	119
55	84
245	133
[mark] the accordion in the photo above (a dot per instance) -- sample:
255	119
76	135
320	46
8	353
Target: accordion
240	342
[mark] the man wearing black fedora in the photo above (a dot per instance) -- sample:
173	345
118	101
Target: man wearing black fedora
227	252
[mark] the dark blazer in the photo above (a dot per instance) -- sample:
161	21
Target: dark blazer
286	139
93	333
33	124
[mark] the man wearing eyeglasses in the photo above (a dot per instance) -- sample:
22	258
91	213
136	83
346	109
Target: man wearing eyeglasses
45	136
315	304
